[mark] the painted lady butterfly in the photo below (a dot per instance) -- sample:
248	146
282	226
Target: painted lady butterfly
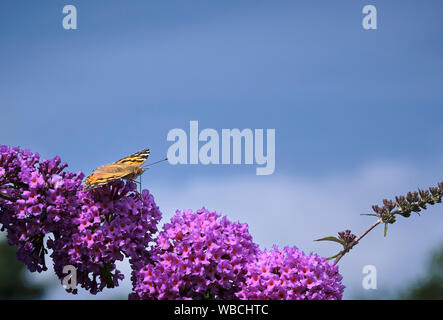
127	168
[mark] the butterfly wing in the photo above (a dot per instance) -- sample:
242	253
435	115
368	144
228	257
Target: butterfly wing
120	169
114	168
108	173
136	158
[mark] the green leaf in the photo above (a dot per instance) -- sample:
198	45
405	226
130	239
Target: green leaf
208	296
106	274
334	239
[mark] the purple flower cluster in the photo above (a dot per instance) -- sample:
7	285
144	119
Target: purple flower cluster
196	255
289	274
114	222
200	256
41	197
90	230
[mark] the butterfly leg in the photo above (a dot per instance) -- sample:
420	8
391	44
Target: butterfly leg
139	183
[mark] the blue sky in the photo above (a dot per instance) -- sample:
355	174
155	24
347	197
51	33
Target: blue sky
357	113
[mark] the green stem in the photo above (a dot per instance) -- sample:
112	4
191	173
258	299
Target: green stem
355	242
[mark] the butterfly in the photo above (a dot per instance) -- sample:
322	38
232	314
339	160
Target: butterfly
128	168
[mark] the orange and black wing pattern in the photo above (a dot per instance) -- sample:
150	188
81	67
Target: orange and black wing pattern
125	167
136	158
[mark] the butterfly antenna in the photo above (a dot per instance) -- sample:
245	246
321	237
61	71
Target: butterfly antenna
148	165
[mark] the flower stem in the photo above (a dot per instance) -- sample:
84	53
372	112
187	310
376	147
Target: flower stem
355	242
